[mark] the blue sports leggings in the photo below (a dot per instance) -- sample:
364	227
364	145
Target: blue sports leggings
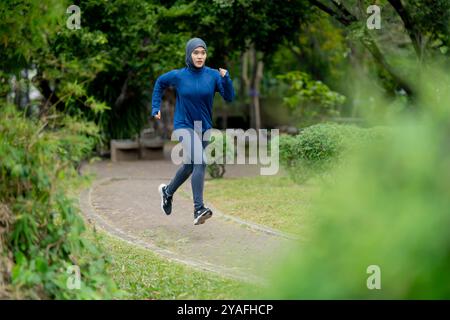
193	163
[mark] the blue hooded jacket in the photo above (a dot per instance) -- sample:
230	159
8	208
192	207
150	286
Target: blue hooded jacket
195	90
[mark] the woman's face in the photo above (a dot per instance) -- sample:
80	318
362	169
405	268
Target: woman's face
199	56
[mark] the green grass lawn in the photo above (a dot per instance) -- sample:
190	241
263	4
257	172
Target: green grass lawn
142	274
274	201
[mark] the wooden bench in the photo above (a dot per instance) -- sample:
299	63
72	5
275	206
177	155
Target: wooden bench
151	148
124	150
132	150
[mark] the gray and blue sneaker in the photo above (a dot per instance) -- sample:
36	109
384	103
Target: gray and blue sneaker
166	200
201	215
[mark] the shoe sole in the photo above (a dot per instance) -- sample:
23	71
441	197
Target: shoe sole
201	219
160	189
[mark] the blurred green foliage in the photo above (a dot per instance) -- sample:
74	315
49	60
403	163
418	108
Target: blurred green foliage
389	208
40	226
312	101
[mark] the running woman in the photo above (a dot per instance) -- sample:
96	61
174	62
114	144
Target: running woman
196	85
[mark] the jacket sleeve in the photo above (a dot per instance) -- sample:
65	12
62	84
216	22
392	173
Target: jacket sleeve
164	81
224	85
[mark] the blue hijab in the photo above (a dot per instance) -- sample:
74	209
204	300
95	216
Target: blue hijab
190	46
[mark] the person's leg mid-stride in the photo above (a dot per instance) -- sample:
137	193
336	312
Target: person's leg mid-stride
194	162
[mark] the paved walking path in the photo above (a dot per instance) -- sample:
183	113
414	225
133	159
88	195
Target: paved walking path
124	201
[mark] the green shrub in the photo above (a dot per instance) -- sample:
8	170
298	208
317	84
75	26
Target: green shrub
42	230
216	169
319	148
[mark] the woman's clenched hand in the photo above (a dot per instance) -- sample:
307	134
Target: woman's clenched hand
223	72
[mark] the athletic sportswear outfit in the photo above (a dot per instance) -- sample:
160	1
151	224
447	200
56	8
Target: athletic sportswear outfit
195	90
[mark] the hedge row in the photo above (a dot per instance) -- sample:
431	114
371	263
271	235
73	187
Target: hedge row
319	148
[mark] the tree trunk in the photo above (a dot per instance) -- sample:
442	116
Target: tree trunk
50	97
253	84
27	88
415	35
258	74
347	18
245	82
17	90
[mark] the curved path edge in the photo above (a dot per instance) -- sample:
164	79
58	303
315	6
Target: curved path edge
94	218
